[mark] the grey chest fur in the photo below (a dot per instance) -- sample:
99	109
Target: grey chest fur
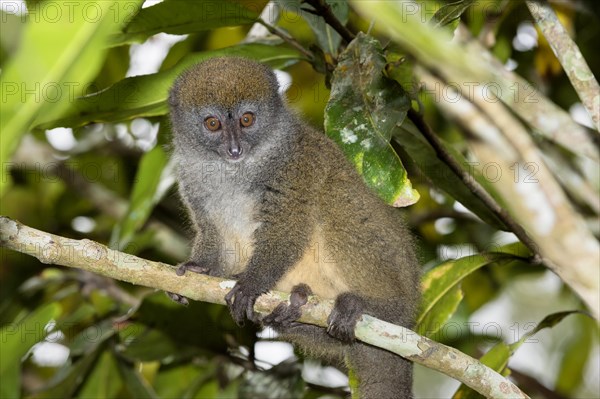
232	209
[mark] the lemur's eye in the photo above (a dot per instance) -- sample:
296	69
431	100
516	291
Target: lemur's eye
247	119
212	123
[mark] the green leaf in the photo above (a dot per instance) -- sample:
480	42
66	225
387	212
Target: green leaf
145	195
327	38
104	380
12	28
450	12
146	95
198	383
363	110
421	152
135	382
548	322
197	326
180	17
442	281
68	379
17	339
57	58
184	381
284	380
400	68
497	357
48	277
441	311
83	314
575	356
91	338
149	345
211	389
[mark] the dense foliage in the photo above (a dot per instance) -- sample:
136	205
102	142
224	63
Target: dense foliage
458	112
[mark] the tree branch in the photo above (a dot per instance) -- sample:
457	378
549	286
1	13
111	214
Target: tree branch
33	155
473	185
324	10
464	62
558	231
547	118
569	56
288	39
97	258
540	206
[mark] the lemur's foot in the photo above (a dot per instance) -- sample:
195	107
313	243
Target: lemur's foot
193	267
180	271
284	316
342	320
180	299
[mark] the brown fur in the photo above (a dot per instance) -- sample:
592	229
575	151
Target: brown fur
250	83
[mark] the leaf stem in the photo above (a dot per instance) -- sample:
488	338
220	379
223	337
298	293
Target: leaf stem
324	10
288	39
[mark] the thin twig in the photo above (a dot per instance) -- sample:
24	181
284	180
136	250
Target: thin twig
569	56
288	39
324	10
473	185
435	214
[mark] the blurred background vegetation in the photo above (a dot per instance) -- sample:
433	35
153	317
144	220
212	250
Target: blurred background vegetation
85	154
